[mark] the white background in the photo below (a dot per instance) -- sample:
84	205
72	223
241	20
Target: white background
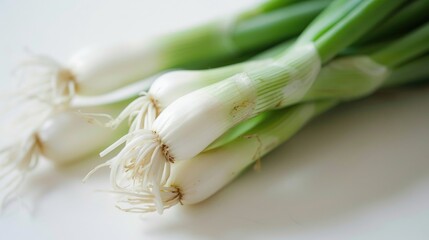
360	171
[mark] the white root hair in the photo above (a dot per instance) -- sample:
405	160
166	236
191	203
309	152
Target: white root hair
15	162
141	160
20	148
99	119
43	78
140	166
146	201
141	113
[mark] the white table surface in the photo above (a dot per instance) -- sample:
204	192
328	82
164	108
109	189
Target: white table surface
360	171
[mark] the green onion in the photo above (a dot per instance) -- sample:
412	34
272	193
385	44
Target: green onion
191	123
60	136
98	70
199	178
173	85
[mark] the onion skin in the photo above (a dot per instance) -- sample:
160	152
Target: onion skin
103	69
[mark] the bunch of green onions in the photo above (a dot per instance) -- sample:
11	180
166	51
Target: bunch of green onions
191	131
215	108
49	97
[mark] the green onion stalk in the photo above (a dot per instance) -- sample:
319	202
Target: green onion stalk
191	123
170	86
60	138
101	69
197	179
408	18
